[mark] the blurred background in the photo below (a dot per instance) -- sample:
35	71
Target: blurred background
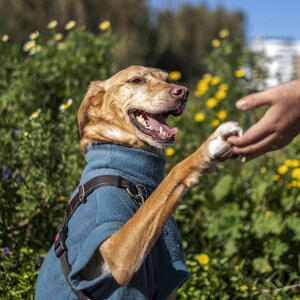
241	226
171	34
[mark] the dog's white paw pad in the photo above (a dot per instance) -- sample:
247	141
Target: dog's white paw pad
218	147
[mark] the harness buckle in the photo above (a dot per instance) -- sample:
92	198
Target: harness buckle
141	192
81	196
60	241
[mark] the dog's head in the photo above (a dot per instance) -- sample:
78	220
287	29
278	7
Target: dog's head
131	108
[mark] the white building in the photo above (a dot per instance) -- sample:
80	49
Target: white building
283	58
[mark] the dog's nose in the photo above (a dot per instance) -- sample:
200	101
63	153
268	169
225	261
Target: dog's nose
179	92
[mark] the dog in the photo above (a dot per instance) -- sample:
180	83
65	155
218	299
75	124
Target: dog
123	244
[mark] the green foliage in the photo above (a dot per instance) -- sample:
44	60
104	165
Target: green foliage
42	83
19	271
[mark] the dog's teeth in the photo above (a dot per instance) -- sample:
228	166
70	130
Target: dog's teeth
161	130
141	119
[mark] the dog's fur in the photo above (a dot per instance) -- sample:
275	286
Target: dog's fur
110	112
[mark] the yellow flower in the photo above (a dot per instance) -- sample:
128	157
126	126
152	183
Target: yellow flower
267	213
35	114
216	43
215	80
34	35
25	134
199	93
223	87
61	198
31	47
61	46
239	73
292	163
222	115
244	288
70	25
199	117
66	105
263	170
206	268
52	24
296	173
203	83
220	94
224	33
169	151
211	102
282	169
58	37
5	38
276	178
203	259
175	75
104	25
292	184
207	76
215	123
202	87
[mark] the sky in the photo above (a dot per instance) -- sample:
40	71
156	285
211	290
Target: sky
267	18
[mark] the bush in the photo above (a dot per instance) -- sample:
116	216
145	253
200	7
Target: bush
240	226
42	83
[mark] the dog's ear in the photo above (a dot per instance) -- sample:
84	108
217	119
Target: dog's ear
92	99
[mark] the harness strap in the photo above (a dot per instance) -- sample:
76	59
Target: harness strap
66	267
136	192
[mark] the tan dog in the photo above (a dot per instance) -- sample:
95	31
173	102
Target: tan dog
140	246
131	108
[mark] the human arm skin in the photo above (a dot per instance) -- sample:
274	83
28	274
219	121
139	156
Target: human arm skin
279	125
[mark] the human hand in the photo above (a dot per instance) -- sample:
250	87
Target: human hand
279	125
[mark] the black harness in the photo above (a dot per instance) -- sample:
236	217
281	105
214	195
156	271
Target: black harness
136	192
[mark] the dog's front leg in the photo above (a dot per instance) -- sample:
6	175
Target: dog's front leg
125	251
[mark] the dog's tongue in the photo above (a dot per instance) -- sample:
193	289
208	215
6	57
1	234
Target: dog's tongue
158	123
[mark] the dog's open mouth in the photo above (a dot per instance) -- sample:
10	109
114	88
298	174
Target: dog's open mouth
155	125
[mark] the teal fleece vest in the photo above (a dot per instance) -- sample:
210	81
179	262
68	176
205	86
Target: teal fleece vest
107	209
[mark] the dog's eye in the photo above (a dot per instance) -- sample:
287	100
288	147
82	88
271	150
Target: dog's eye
136	80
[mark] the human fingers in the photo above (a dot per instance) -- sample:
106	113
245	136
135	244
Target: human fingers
253	101
255	133
247	153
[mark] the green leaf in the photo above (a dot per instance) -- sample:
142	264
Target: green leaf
293	223
277	248
230	248
263	224
287	203
223	187
261	265
260	189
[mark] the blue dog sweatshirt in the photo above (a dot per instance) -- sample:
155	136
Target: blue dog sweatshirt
107	209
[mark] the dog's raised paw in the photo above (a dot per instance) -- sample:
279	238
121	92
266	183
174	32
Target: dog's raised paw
218	148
